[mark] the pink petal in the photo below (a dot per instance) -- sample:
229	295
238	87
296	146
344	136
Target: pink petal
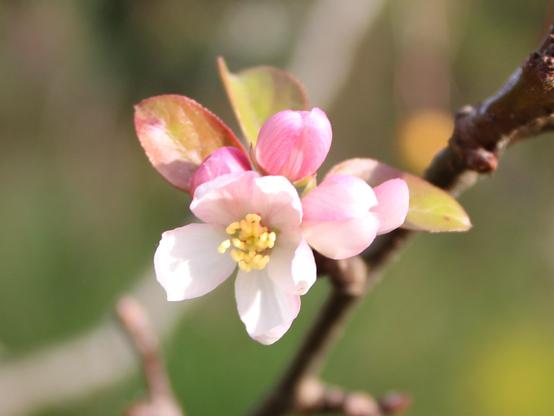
265	308
393	200
337	219
338	197
343	238
294	144
292	264
187	262
230	197
223	160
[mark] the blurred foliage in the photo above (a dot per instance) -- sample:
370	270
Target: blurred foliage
422	135
463	322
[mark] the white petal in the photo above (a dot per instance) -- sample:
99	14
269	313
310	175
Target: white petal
292	265
230	197
224	199
343	238
219	182
187	262
277	202
265	308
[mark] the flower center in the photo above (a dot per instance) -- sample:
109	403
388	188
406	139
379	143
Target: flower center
251	243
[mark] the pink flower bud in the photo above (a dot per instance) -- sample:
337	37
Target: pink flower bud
294	144
221	161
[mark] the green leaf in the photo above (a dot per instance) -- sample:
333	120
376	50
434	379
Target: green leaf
431	208
177	133
258	93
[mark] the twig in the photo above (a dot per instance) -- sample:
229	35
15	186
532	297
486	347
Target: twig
161	401
315	397
522	108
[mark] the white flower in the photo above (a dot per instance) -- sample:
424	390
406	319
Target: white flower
254	223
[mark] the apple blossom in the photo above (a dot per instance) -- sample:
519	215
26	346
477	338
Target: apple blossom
261	227
293	144
252	222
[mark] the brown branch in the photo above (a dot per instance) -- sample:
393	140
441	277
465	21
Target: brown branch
522	108
161	401
315	397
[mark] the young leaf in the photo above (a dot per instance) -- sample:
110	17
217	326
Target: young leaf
431	208
177	133
258	93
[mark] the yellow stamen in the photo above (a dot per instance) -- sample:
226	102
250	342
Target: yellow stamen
272	237
238	243
232	228
250	243
222	248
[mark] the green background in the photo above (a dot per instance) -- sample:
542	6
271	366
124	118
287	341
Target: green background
464	322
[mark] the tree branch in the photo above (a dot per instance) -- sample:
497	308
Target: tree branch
522	108
315	397
161	401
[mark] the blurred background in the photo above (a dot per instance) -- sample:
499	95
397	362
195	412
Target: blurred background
464	322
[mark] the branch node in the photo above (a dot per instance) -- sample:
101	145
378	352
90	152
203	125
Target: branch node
465	111
479	160
315	397
361	404
395	403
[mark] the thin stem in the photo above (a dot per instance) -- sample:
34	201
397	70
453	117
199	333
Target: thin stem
161	401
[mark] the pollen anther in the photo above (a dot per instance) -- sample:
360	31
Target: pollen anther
250	243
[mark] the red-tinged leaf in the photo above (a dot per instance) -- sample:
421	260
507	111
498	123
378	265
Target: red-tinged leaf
431	208
258	93
177	133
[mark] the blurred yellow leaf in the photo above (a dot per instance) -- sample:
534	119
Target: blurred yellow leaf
422	135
